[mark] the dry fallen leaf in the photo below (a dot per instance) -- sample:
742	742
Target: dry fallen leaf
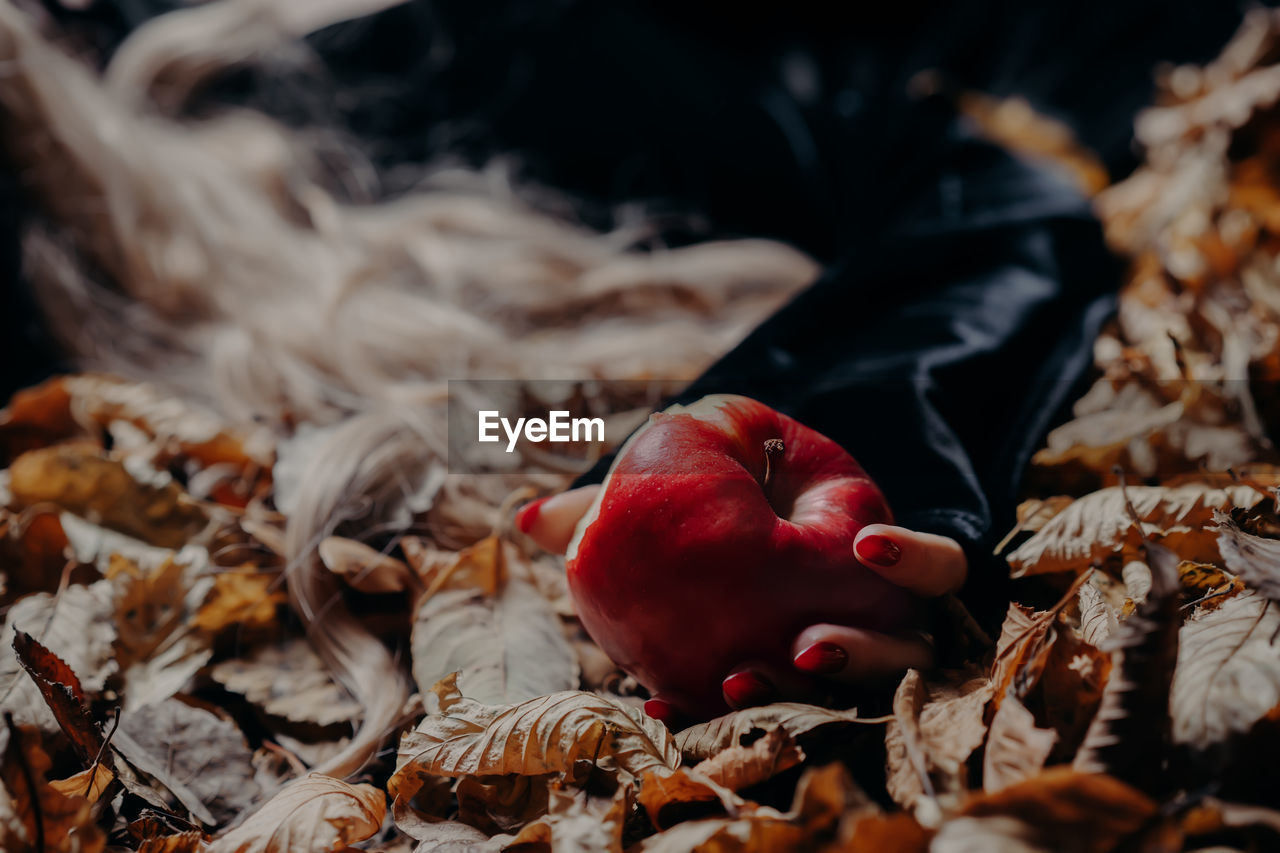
706	740
36	817
77	627
81	480
289	680
1228	673
505	647
365	568
1086	811
244	598
1097	525
1016	748
315	814
933	733
205	753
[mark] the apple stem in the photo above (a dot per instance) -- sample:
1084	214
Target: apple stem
772	448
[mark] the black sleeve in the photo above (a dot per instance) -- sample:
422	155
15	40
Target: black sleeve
940	353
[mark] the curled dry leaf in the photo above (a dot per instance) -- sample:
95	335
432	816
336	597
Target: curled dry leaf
550	734
1254	559
669	796
62	692
1228	674
578	823
1128	733
364	568
706	740
36	817
1093	811
89	783
77	627
1016	748
315	814
79	479
934	731
289	680
1098	524
741	767
1097	619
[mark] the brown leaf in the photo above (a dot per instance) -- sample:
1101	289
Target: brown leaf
192	752
63	694
578	822
752	834
933	733
550	734
34	816
1016	748
89	783
827	797
741	767
34	555
1256	560
76	626
1098	525
506	646
315	814
365	568
672	796
1228	674
289	680
1127	735
1093	811
36	417
499	803
159	646
890	833
700	742
82	481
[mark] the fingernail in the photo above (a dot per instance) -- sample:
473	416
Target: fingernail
878	549
528	514
822	659
660	710
745	689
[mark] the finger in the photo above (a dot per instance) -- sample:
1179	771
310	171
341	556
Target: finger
924	563
550	521
756	683
666	708
853	654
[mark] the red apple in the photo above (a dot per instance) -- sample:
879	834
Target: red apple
723	529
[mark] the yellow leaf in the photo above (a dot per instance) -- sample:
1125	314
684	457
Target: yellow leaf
84	482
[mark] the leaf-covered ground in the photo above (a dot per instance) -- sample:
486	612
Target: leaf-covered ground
159	695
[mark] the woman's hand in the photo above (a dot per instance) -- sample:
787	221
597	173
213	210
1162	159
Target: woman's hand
923	563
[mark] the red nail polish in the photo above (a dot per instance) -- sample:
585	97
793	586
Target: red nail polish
745	689
878	549
660	710
822	659
528	514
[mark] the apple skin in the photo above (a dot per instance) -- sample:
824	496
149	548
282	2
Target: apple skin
687	566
